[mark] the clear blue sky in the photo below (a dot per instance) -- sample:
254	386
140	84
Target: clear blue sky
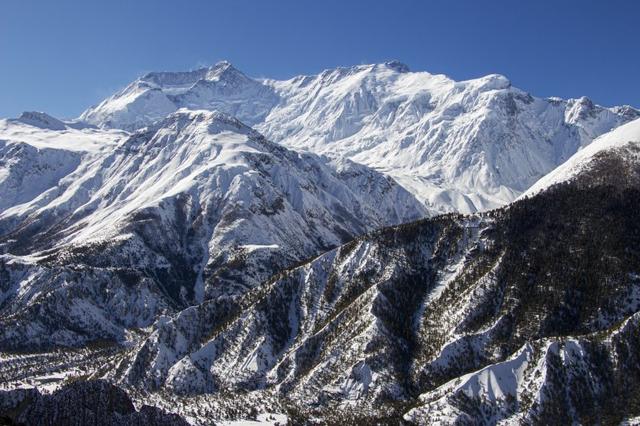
62	56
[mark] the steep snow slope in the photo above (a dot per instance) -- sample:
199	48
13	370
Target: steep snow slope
624	138
196	207
37	151
465	146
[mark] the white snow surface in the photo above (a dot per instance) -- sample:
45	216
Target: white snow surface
68	138
624	135
37	151
465	146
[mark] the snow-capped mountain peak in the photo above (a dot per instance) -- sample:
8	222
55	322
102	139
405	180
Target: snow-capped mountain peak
42	120
168	80
213	121
464	146
224	70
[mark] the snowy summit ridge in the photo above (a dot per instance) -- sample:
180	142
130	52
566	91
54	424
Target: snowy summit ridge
457	145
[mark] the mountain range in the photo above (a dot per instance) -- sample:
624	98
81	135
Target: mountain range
457	146
368	245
